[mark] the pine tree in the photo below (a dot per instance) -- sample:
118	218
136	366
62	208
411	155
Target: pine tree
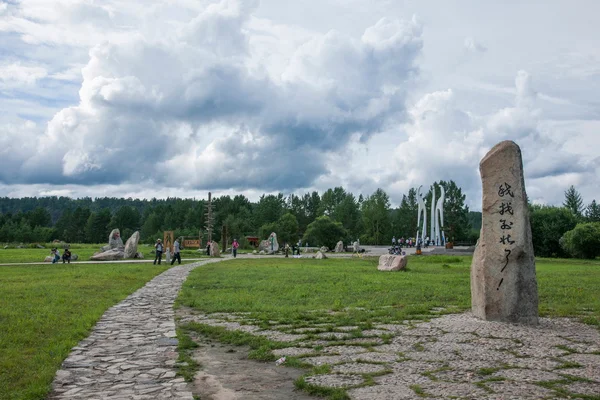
592	212
573	201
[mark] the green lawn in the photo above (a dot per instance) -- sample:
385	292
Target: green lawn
46	310
292	290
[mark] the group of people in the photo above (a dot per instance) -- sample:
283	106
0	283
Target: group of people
159	248
408	242
66	256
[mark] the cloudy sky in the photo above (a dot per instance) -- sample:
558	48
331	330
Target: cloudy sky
160	98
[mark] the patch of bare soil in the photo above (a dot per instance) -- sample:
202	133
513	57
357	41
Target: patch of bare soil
226	373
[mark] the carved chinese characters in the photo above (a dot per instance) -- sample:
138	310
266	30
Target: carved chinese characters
503	281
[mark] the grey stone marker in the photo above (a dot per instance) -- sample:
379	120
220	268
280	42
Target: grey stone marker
503	281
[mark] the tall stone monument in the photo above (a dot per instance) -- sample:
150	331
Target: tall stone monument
503	280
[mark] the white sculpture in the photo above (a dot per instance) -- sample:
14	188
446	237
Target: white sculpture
422	209
437	216
440	238
433	232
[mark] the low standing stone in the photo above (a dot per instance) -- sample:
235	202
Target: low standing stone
339	247
390	262
503	279
214	249
131	245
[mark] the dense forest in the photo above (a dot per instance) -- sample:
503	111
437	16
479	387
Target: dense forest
321	219
337	214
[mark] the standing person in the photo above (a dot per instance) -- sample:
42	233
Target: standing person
299	245
208	248
159	250
66	256
234	247
394	241
176	255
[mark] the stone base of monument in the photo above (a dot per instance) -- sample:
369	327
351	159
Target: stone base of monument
110	255
389	262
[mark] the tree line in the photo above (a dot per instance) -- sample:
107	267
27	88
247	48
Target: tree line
570	230
319	219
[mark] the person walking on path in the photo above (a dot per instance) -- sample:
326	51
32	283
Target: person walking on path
159	250
234	247
394	241
176	254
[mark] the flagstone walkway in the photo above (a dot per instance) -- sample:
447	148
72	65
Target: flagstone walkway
131	352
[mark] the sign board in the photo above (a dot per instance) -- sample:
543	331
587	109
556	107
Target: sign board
169	239
192	243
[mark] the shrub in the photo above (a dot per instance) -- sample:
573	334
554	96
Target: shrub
324	232
583	241
548	225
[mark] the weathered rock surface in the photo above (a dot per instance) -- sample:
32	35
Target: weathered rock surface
356	246
214	250
48	259
266	244
320	255
131	245
503	279
74	257
324	249
390	262
339	247
108	255
114	241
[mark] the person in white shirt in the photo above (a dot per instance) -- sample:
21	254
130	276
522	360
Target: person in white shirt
159	250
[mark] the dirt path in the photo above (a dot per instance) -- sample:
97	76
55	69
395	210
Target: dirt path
226	373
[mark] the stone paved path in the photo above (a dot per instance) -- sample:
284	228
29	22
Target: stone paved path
131	351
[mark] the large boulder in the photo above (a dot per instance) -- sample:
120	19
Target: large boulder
339	247
390	262
324	249
320	256
214	249
503	279
108	255
114	241
131	245
356	247
270	245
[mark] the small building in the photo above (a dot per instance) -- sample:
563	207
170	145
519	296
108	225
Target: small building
252	240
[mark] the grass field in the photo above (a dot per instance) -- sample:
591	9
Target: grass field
46	310
294	290
320	295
